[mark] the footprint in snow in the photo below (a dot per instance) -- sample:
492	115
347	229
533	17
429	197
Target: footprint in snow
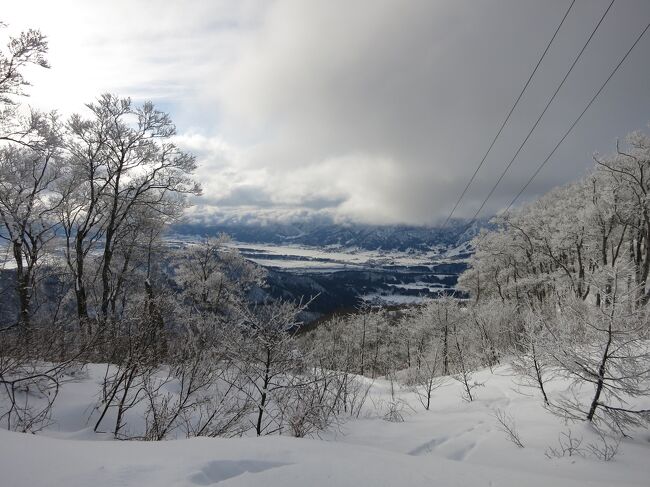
219	470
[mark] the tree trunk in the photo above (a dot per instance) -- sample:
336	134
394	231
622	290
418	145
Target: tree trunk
22	287
363	346
445	351
601	375
79	287
267	379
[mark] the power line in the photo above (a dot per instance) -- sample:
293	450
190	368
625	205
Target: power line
548	104
509	114
539	168
575	122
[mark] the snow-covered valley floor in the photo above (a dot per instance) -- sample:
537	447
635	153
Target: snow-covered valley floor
456	443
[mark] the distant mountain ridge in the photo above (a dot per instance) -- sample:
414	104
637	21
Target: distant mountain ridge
369	237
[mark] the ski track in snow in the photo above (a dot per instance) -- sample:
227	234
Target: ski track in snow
457	448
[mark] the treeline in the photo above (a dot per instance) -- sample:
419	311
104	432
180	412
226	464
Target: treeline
419	348
573	238
574	264
98	189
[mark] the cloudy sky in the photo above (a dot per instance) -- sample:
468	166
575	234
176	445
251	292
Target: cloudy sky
368	110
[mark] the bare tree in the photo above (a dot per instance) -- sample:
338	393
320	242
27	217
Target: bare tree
28	48
83	212
206	400
125	163
465	359
335	347
268	356
606	348
425	378
215	276
531	360
28	207
135	356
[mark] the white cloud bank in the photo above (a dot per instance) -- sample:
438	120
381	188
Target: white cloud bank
371	110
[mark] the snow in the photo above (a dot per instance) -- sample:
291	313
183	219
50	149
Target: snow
462	249
394	299
418	285
455	444
308	256
303	264
7	265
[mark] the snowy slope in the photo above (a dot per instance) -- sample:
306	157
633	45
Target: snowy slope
454	444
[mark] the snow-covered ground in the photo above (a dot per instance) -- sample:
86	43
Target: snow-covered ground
455	444
394	299
296	256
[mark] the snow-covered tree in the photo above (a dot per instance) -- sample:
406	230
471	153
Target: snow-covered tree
213	275
28	204
605	350
27	48
125	162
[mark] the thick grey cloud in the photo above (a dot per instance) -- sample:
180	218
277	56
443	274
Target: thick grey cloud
370	110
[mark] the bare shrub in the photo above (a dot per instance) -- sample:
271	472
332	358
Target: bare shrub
507	425
568	446
605	448
32	370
